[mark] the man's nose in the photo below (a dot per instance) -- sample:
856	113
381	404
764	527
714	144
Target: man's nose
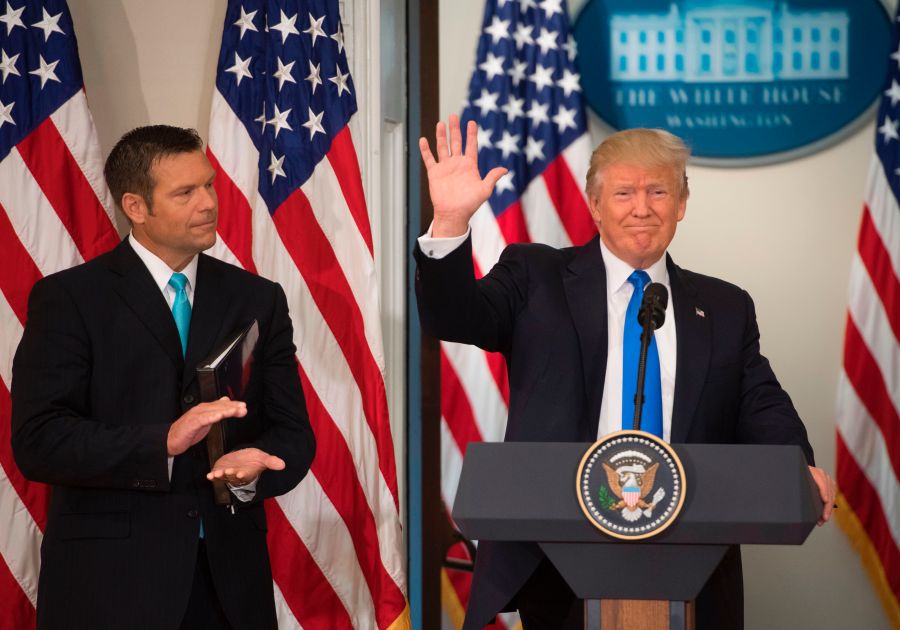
209	199
641	205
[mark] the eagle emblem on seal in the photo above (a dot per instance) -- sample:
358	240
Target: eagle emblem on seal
631	476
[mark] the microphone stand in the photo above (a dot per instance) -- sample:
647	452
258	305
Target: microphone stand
646	337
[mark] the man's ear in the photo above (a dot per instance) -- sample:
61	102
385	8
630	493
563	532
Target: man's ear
682	208
594	206
135	208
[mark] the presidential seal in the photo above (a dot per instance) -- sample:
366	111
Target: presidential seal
631	485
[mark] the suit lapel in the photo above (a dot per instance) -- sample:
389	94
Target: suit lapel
585	287
693	332
137	289
207	317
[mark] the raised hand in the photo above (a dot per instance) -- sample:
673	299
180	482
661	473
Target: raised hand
454	183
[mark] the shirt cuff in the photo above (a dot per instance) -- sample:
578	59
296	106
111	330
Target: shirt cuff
244	493
171	462
438	248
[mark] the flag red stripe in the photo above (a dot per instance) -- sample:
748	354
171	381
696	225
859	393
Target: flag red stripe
342	157
565	193
455	407
34	495
67	190
18	273
866	378
497	365
307	592
16	612
331	292
866	504
235	216
346	494
878	263
512	224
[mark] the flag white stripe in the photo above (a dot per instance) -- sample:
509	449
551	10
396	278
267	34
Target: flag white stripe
221	251
487	239
544	224
286	619
328	541
487	404
33	218
333	215
20	539
871	320
578	157
865	442
76	126
451	464
230	143
885	213
10	335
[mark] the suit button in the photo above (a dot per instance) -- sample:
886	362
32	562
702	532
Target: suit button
193	513
188	399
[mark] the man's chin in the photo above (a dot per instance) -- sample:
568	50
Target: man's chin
207	243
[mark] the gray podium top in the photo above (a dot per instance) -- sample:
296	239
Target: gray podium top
735	494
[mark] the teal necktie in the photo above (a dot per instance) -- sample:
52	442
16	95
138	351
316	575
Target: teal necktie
651	418
181	311
181	308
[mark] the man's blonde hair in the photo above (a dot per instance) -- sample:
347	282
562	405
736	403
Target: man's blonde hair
647	148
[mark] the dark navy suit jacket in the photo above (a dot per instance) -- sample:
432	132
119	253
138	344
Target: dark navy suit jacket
545	310
97	379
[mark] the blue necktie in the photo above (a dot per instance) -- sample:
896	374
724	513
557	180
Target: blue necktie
181	308
181	311
651	416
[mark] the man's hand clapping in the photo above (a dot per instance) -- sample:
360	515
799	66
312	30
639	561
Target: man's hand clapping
194	424
243	466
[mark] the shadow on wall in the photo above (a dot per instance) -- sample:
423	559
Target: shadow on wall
112	81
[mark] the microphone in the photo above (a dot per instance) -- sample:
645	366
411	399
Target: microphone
653	306
651	316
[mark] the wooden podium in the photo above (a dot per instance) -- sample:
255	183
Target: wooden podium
735	494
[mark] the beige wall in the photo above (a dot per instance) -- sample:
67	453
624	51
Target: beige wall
147	62
786	234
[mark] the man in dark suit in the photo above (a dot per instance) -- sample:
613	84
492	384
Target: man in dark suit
558	316
105	409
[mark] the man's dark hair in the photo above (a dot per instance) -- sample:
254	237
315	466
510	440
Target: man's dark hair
128	167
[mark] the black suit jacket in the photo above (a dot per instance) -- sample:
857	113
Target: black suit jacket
545	310
97	379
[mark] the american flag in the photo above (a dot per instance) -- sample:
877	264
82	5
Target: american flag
291	208
526	98
868	409
55	212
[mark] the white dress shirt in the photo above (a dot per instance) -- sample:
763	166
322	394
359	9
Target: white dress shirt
618	294
161	273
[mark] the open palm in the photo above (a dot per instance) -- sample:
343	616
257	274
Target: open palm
454	183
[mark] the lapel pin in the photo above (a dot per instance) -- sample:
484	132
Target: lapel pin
699	312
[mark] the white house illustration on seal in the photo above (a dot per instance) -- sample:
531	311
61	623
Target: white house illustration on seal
711	41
